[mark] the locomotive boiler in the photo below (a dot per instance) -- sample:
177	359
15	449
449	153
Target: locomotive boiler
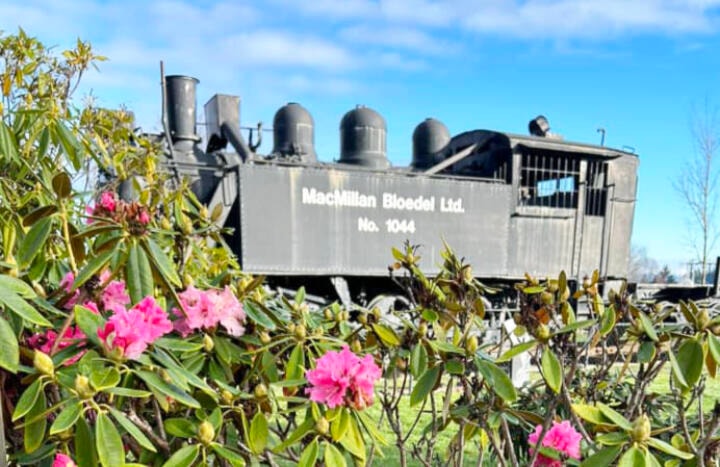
509	203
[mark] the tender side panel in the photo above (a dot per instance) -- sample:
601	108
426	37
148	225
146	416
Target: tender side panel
542	242
623	177
310	221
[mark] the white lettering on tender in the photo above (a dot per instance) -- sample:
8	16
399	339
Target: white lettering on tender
420	203
338	198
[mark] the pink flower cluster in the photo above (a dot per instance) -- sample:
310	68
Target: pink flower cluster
62	460
129	332
562	437
343	378
45	342
205	309
110	207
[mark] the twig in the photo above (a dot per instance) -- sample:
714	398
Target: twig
159	441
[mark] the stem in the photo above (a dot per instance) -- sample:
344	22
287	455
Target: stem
160	442
508	440
66	238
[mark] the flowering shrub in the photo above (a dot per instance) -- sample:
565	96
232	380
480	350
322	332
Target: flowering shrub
135	338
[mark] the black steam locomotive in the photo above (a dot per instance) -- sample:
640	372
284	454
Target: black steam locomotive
510	203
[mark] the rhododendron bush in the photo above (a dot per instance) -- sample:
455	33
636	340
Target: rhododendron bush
130	336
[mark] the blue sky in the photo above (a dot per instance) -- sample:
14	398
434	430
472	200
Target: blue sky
636	68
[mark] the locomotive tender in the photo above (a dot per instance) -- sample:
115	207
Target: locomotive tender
509	203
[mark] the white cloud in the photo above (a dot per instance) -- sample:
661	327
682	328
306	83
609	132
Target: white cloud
398	37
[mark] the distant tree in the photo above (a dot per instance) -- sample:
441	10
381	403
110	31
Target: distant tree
664	276
697	183
642	268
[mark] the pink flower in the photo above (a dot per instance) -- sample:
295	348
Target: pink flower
562	437
66	284
92	306
343	378
108	201
61	460
115	296
207	308
131	331
144	217
46	341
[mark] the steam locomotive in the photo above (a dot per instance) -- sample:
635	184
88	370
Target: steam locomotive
510	203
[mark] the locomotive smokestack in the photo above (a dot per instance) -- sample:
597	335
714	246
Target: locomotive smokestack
181	109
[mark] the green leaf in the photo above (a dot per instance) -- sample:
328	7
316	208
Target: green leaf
27	400
10	284
89	322
236	460
677	370
34	241
85	452
10	354
93	266
340	425
309	455
23	309
108	442
418	360
138	274
516	350
614	438
615	417
590	413
607	321
132	429
161	262
424	385
646	352
714	345
552	370
67	417
62	185
691	359
178	345
603	458
69	144
8	145
35	431
648	327
180	427
576	325
371	427
127	392
499	380
661	445
353	441
184	457
296	363
258	433
333	456
386	335
633	457
446	347
256	314
533	289
455	367
105	378
168	389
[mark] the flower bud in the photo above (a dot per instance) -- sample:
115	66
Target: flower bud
641	429
227	397
166	376
471	345
517	317
265	337
703	319
328	313
322	425
165	224
377	313
82	387
208	343
188	280
422	329
345	315
300	332
547	297
363	318
467	274
542	332
203	212
356	346
43	363
206	433
260	391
